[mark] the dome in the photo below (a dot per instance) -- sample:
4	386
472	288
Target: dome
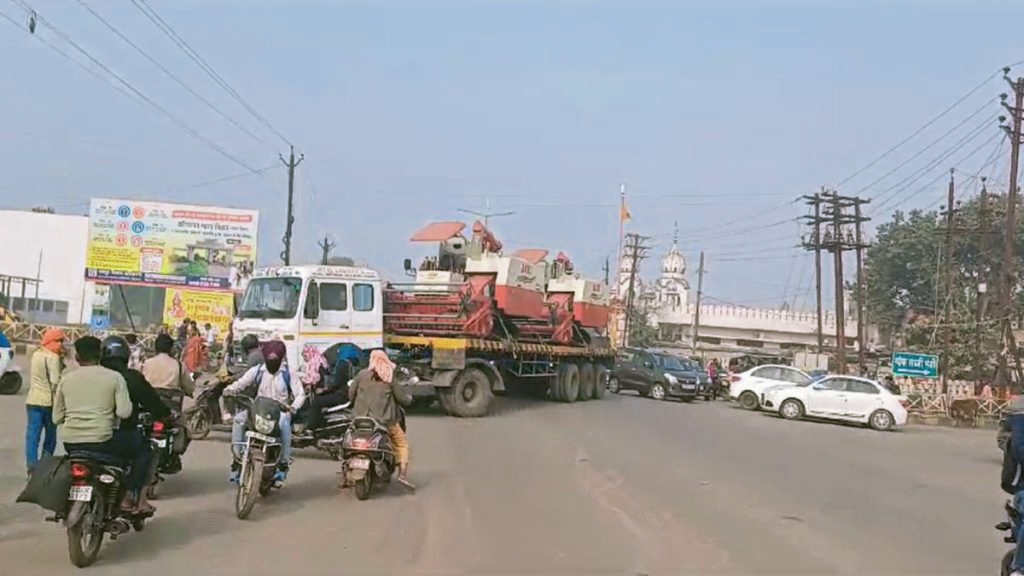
674	263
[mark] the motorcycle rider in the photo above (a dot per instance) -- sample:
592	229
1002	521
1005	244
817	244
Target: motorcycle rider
272	380
1012	481
165	372
116	355
250	346
375	394
86	407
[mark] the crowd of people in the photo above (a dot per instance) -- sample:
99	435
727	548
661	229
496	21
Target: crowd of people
97	404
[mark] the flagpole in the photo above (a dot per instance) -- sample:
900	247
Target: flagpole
622	232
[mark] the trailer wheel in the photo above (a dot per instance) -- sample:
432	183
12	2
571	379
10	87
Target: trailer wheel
600	382
470	396
587	381
555	387
569	381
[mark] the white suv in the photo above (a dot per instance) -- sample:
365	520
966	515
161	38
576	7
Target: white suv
746	387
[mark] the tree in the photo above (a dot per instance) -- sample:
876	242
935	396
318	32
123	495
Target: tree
340	261
43	209
642	330
904	269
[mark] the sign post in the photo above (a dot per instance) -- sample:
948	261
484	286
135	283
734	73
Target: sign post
914	365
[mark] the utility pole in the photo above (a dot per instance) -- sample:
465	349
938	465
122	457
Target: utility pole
982	273
840	300
607	271
1008	284
832	210
815	245
696	313
947	296
636	251
291	164
859	220
326	246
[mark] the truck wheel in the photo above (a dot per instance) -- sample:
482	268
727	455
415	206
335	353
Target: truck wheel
569	380
600	382
587	381
555	387
470	396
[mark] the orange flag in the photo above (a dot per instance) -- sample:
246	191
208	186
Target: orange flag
624	214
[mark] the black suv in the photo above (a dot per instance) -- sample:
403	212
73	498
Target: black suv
653	374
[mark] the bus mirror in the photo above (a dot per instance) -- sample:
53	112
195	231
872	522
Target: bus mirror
407	264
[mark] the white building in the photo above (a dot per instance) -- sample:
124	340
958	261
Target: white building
50	248
733	330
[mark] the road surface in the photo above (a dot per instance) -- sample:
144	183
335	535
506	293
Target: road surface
621	486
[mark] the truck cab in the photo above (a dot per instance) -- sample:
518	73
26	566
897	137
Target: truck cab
312	305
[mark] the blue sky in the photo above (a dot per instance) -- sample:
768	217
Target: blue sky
716	116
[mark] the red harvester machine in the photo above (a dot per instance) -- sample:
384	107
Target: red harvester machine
471	289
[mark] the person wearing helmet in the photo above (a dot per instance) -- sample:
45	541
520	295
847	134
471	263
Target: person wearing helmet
250	345
116	355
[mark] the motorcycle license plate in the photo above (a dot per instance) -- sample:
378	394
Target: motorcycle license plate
80	493
258	436
161	443
360	464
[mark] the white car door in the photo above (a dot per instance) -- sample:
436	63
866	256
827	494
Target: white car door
367	328
862	398
827	397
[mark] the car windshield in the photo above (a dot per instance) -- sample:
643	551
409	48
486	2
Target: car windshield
267	298
670	363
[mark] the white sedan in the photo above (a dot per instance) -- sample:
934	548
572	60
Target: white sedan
846	398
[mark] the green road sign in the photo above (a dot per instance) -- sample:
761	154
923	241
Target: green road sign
913	365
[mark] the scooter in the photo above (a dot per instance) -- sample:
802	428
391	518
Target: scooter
10	372
367	456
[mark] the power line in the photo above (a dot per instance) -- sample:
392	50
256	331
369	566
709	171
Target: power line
921	129
929	146
167	72
161	110
168	31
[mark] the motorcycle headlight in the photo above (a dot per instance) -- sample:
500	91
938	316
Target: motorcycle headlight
671	379
264	425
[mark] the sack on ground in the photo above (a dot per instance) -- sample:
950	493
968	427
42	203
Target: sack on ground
49	484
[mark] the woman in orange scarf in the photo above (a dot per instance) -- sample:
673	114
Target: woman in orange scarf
47	366
195	355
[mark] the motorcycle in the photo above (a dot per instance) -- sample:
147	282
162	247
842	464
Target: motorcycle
204	414
97	489
1011	525
327	437
367	456
169	443
261	454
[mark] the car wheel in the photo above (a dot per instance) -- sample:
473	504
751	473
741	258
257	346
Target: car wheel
748	401
881	420
791	409
613	385
657	392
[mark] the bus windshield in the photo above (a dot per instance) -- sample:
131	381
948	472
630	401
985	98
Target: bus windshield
267	298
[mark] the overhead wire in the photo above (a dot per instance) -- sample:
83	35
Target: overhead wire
892	193
149	101
178	41
168	73
924	127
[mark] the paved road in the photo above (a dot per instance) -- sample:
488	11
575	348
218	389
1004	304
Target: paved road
622	486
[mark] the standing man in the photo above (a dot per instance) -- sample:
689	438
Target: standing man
47	367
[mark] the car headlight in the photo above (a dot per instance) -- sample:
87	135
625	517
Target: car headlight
264	425
671	379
